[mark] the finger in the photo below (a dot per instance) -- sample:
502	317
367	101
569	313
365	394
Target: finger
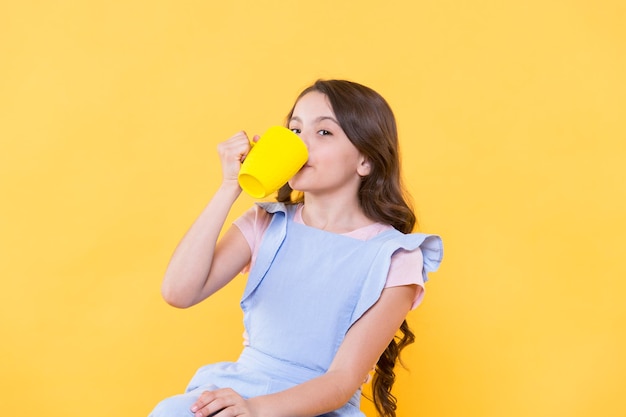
234	150
235	410
205	398
213	403
240	136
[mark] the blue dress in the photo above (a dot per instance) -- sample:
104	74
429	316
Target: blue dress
305	290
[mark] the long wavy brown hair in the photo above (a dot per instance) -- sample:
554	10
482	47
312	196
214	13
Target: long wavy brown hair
368	121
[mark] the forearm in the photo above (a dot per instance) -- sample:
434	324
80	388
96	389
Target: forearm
190	265
312	398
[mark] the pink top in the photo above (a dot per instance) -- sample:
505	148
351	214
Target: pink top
405	268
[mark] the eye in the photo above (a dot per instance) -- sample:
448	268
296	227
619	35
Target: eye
324	132
295	130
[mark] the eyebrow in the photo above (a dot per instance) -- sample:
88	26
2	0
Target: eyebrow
319	119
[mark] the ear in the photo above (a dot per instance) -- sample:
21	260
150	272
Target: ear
364	168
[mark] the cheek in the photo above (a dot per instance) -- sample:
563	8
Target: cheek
334	154
346	158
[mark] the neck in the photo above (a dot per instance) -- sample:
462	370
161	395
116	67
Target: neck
338	215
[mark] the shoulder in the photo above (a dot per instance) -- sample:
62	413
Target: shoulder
412	261
252	216
255	221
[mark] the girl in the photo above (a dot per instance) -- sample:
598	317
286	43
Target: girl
334	269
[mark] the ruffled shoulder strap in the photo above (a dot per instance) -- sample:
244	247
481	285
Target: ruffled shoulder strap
270	243
373	285
272	207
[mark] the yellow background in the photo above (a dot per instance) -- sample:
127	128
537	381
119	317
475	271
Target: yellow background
511	116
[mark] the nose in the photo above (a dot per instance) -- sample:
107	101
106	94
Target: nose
305	138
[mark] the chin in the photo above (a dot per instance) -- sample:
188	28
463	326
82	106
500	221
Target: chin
295	185
296	182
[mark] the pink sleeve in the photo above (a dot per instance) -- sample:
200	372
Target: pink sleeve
406	269
253	224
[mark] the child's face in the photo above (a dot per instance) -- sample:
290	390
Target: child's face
334	165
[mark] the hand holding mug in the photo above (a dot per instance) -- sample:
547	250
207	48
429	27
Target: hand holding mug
232	152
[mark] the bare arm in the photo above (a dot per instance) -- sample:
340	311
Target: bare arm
364	343
200	266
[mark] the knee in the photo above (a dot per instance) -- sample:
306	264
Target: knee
177	406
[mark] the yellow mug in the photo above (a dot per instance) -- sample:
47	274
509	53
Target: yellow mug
276	157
